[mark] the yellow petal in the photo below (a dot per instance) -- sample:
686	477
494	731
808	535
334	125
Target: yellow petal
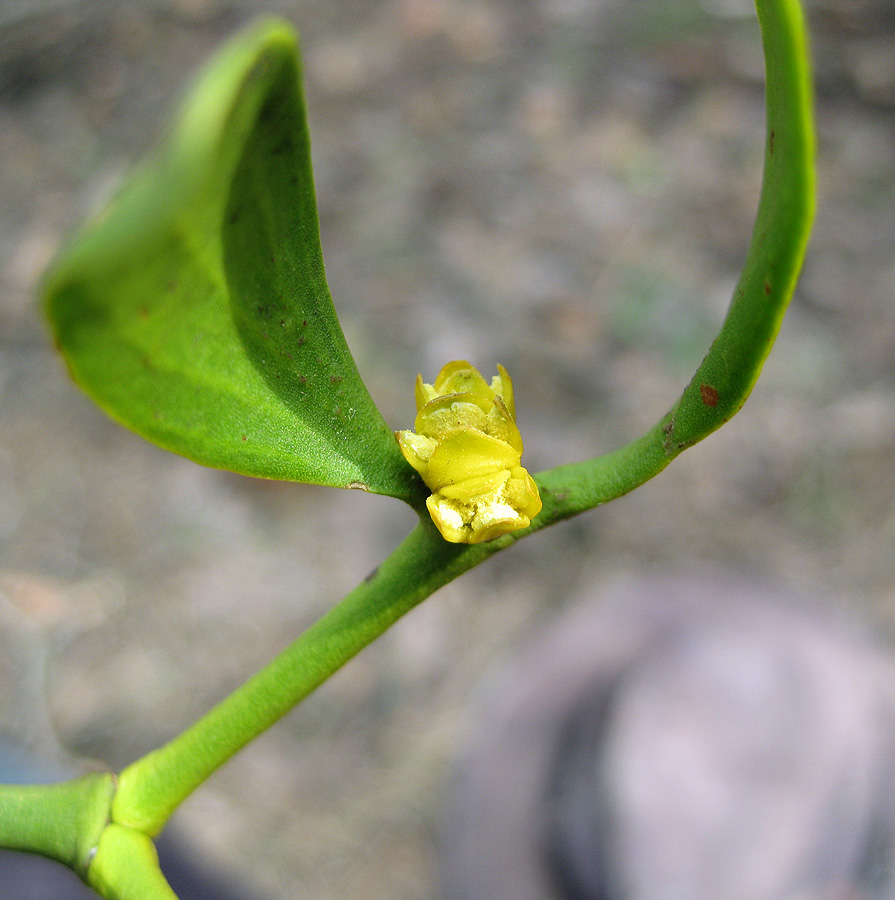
468	454
459	377
502	385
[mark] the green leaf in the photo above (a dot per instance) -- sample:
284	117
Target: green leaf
195	309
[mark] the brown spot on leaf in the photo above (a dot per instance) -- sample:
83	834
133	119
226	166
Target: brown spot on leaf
709	395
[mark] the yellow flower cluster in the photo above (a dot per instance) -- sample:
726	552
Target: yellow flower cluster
468	449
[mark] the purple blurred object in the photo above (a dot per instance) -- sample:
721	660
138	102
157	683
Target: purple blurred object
681	739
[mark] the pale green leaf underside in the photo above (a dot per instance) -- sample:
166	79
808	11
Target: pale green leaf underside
195	309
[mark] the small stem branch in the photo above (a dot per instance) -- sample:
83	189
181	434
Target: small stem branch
126	867
726	376
150	789
63	821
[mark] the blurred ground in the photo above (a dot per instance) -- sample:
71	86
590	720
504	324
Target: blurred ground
563	186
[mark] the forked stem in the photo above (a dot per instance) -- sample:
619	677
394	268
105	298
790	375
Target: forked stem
151	788
88	819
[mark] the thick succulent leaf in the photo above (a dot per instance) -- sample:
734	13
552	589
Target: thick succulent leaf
195	309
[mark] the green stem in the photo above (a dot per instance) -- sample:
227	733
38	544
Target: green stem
154	786
126	867
70	822
779	238
726	376
63	821
151	788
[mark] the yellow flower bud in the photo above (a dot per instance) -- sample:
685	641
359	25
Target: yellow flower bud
467	449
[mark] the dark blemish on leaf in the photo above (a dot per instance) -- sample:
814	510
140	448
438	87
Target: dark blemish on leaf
372	575
709	395
283	322
143	312
767	287
301	340
668	429
304	323
771	142
335	379
302	379
245	437
259	70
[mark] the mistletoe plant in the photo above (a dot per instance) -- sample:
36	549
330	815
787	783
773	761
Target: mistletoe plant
195	311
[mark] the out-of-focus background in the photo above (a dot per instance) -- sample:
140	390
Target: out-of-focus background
563	186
